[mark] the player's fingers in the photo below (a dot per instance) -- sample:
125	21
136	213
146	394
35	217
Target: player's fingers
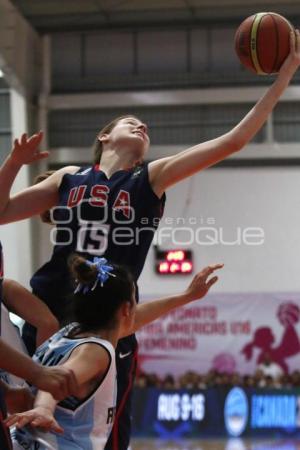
210	269
11	420
56	427
205	272
41	155
23	139
66	383
40	422
25	420
211	282
216	266
46	424
36	138
16	144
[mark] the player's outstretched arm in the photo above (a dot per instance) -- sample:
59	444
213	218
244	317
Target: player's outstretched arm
41	416
20	301
35	199
17	398
200	285
165	172
87	362
60	381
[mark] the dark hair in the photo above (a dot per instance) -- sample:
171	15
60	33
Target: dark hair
97	147
97	307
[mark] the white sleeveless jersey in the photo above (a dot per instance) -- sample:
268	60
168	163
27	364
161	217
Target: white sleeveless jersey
87	423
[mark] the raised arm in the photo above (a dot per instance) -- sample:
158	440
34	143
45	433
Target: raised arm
20	301
200	285
165	172
35	199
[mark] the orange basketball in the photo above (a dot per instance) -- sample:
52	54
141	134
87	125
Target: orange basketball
262	42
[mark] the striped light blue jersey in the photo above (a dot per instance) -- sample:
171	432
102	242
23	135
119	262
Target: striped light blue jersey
86	422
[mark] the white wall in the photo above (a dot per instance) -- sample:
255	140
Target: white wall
16	237
249	197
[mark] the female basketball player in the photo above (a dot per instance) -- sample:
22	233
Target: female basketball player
103	210
59	382
105	310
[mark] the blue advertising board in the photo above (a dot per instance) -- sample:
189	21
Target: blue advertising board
216	412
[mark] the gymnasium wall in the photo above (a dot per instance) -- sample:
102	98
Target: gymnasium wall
228	201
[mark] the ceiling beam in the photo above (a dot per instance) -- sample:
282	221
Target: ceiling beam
96	100
20	50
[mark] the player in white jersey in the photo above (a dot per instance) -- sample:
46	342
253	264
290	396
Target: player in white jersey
105	310
86	421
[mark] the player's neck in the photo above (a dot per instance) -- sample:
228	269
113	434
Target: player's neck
112	161
111	335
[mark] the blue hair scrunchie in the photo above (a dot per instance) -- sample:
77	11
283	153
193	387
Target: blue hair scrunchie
104	272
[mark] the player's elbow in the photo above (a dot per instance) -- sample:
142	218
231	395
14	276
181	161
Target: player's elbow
235	143
3	220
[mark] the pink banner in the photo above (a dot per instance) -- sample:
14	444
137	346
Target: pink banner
228	332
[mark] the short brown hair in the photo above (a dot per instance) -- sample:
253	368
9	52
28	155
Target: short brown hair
43	176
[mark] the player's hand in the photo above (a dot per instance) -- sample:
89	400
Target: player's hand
202	282
292	61
25	150
59	381
39	417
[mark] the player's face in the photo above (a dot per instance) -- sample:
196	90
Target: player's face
131	132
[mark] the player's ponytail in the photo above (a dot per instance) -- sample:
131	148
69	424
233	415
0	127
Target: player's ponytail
101	289
81	271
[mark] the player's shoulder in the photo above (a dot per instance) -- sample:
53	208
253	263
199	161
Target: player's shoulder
58	174
69	170
94	353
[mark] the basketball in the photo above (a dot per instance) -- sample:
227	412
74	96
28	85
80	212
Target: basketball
262	42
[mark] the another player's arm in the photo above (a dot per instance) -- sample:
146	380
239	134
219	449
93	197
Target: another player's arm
17	398
88	362
166	172
42	415
198	288
35	199
20	301
60	381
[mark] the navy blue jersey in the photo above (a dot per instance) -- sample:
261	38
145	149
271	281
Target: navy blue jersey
115	217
